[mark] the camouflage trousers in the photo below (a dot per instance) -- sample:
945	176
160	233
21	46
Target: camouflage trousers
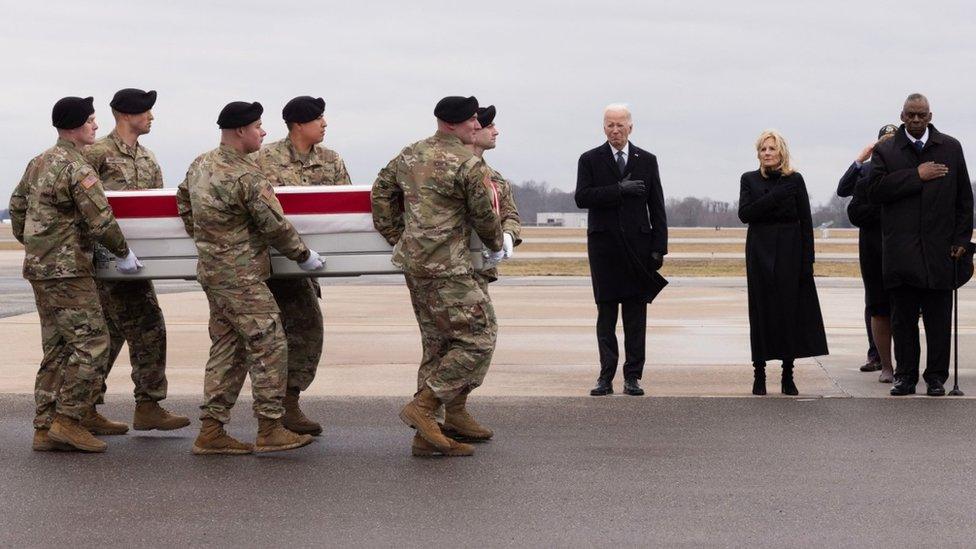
457	329
301	318
75	342
246	338
133	316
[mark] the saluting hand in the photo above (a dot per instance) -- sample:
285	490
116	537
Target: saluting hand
866	153
927	171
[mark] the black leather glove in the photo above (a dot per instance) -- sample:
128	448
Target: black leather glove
632	187
784	190
657	261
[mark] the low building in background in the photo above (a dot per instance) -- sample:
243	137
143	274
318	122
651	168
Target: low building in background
561	219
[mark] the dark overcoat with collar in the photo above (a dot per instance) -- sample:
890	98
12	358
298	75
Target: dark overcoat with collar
622	231
921	220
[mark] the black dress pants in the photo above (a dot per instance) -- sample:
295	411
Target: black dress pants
635	330
936	308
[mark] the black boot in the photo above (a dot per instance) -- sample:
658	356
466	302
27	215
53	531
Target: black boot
789	388
759	378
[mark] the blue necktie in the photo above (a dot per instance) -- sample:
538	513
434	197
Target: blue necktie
918	145
621	163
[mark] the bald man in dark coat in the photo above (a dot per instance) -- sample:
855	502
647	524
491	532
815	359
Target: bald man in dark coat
626	240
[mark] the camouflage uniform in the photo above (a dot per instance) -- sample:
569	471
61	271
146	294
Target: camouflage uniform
230	210
131	309
426	202
58	211
298	297
511	223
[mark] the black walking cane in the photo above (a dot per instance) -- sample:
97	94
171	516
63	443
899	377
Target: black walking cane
955	330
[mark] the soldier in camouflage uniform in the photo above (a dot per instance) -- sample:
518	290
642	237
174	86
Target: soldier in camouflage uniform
130	307
300	160
58	212
229	208
456	423
425	203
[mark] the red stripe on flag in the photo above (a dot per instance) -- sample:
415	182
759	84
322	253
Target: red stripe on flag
325	203
143	206
291	203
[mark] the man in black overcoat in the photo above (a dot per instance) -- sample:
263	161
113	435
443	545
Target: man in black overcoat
626	240
920	179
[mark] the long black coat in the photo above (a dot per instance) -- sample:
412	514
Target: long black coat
622	231
921	221
866	216
784	311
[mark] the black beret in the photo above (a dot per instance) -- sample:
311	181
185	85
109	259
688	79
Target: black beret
133	101
302	109
238	114
456	109
486	115
887	129
71	112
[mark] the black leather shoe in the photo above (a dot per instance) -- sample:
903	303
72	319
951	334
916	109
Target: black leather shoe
632	388
935	389
902	388
602	388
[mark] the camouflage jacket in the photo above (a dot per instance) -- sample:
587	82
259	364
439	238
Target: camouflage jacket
124	168
231	211
508	212
284	166
58	211
427	200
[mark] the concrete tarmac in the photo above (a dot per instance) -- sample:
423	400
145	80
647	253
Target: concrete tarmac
697	462
562	472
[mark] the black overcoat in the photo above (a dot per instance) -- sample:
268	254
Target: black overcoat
866	216
784	311
622	231
921	221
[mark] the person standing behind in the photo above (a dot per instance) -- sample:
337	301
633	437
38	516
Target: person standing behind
457	422
58	211
626	241
426	201
784	312
230	210
300	160
131	309
867	218
920	179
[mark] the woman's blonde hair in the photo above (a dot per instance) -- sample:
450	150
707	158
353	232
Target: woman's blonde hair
784	167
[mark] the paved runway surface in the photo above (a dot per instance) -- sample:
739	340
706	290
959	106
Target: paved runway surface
562	472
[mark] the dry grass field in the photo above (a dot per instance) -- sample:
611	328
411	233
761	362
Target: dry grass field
682	267
672	267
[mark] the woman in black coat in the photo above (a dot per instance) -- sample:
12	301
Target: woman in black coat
784	312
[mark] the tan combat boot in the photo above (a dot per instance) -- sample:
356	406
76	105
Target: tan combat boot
295	420
100	425
419	414
214	440
69	431
273	437
43	443
459	425
422	448
150	415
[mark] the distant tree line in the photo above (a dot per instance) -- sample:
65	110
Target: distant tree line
533	197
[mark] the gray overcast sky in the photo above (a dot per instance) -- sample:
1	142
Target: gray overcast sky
702	78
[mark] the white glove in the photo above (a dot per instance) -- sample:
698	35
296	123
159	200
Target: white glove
128	265
313	263
491	258
508	247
